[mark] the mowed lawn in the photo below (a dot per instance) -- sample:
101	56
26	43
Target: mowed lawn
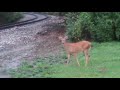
104	63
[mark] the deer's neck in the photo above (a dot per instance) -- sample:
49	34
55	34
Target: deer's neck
65	44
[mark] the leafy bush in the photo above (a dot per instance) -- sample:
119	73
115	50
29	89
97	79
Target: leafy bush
102	29
8	17
77	23
100	26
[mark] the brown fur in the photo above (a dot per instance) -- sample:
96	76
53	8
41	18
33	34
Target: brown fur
75	48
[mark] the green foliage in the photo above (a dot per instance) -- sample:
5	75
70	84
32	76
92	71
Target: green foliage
106	26
77	23
41	68
100	26
36	69
8	17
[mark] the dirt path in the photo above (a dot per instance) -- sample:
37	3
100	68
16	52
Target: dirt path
29	42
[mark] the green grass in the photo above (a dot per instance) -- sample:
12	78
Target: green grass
104	63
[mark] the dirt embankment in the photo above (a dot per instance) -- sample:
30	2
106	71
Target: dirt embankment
30	42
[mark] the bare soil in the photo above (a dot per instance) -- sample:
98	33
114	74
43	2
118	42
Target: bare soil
29	42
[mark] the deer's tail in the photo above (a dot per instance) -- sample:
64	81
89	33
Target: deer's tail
90	46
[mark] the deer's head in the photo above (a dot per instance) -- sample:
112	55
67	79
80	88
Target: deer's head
63	39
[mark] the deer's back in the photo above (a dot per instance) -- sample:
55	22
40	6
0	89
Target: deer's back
84	44
77	47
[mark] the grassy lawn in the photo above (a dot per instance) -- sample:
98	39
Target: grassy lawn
104	63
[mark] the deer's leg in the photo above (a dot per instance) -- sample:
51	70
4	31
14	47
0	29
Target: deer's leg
68	59
75	55
86	57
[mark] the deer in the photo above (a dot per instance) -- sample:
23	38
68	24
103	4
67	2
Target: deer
75	48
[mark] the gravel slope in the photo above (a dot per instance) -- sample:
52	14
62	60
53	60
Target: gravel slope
29	42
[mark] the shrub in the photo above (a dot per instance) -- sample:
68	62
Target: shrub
8	17
100	26
77	24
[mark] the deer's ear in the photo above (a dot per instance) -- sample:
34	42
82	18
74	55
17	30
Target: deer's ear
66	37
60	37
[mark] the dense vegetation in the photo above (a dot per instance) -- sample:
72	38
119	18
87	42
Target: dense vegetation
8	17
98	26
